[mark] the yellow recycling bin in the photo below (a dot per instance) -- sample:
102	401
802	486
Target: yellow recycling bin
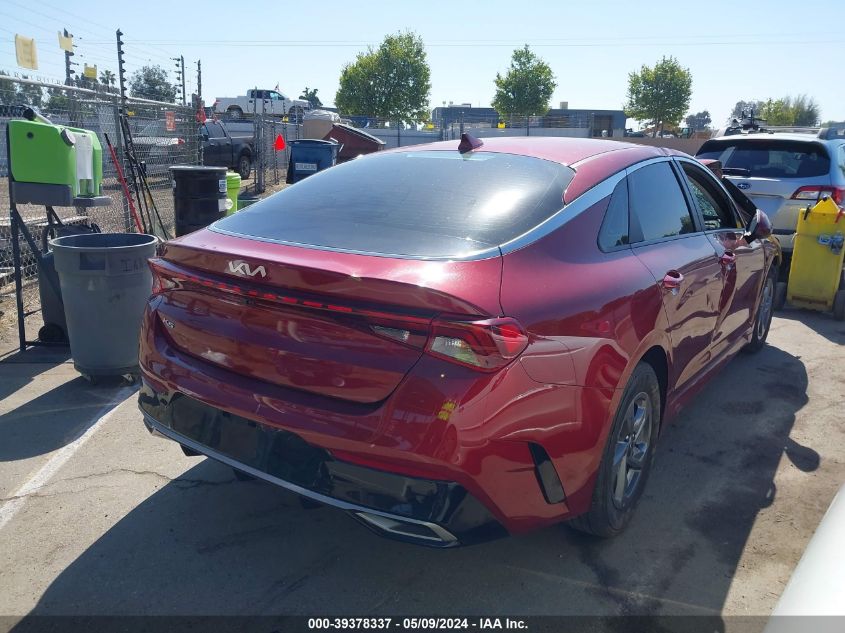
815	275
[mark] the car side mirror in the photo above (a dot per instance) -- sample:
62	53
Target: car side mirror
759	227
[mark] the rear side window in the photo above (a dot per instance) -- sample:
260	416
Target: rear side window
768	158
657	203
614	231
416	204
215	130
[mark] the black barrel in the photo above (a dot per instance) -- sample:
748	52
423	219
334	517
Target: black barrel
199	196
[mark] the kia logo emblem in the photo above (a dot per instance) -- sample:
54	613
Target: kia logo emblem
242	268
744	185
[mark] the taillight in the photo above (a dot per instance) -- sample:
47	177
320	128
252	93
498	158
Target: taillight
180	141
487	345
161	281
816	192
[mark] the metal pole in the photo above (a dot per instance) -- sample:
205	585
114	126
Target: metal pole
121	72
68	55
182	62
199	80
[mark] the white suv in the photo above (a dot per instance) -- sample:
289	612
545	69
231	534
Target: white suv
783	171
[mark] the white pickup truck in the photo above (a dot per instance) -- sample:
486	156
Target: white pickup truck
256	101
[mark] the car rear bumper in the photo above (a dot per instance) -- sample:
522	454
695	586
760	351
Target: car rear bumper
422	511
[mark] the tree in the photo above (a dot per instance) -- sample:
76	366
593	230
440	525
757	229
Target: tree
698	122
29	94
527	86
392	81
311	97
659	95
150	82
107	78
800	111
745	108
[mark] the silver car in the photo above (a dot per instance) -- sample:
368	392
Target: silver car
783	172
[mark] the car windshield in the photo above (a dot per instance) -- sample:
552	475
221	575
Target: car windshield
428	204
768	158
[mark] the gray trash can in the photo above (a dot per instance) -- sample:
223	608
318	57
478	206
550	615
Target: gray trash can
106	283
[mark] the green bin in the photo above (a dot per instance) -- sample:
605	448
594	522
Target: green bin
233	188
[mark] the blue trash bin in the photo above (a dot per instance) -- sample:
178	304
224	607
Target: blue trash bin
308	156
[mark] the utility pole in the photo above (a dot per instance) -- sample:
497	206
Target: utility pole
180	74
68	70
199	80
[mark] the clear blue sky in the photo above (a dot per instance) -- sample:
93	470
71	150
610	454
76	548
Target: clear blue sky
735	50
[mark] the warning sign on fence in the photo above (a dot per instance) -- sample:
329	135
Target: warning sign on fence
170	120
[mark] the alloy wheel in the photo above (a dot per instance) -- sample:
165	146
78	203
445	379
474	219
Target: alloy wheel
633	441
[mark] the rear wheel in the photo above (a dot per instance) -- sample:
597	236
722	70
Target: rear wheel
244	166
764	316
235	113
779	301
628	457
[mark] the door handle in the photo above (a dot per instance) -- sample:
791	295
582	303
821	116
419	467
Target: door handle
728	259
672	281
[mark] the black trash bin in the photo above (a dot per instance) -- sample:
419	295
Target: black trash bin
310	155
199	196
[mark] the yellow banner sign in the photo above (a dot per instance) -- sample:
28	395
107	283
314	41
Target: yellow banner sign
25	52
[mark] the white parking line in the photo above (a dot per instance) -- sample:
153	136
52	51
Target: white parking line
9	509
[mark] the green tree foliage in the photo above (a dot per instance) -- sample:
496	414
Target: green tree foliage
392	81
311	97
107	78
526	87
659	95
800	110
699	121
29	94
57	99
150	82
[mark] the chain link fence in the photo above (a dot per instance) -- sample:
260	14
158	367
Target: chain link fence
164	135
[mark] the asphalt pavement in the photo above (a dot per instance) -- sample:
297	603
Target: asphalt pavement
97	517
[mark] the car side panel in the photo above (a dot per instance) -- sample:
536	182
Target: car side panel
590	316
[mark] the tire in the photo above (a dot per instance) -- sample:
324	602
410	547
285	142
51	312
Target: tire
839	305
779	301
235	113
626	462
244	166
763	320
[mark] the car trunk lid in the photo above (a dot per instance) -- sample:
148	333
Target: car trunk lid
335	324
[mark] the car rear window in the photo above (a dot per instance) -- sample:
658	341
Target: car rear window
424	204
769	158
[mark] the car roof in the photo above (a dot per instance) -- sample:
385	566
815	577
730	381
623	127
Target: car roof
767	136
592	159
559	149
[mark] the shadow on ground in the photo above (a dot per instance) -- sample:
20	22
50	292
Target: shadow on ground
820	322
208	544
54	418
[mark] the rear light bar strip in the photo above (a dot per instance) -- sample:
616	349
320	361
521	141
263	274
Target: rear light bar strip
167	279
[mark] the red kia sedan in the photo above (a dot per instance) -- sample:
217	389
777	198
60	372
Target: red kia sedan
458	341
